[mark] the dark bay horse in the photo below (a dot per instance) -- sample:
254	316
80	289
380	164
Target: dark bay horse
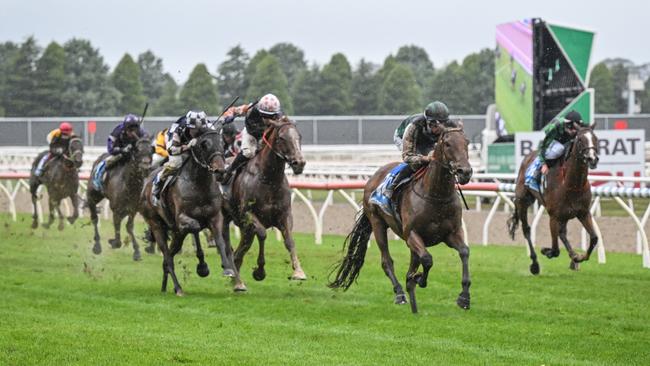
192	202
122	188
567	196
261	198
430	212
61	178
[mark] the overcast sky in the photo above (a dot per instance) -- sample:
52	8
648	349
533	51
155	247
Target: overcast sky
184	33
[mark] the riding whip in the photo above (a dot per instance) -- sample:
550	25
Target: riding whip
144	113
225	110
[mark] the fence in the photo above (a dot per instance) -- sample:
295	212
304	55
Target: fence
12	183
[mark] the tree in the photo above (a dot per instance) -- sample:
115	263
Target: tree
450	87
152	75
231	74
291	58
168	104
88	90
336	86
251	68
418	60
644	97
365	89
199	92
126	79
602	81
50	81
477	70
400	93
619	76
269	78
8	51
21	80
306	90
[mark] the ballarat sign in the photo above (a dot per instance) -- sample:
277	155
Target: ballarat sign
621	152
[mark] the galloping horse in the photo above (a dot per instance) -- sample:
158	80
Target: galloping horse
430	213
61	179
122	188
190	203
567	196
261	198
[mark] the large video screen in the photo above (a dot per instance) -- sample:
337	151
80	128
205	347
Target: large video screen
514	76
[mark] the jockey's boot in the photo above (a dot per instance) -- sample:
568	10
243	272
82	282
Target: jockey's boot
532	183
41	165
158	182
240	161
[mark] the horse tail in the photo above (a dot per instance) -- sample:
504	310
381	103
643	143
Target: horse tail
347	270
513	222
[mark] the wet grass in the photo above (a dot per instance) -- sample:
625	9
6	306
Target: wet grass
63	305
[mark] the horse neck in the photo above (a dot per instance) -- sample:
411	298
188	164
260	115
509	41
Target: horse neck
132	172
196	174
438	181
271	165
576	170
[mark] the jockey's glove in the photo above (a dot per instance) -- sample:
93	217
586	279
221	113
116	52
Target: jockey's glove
191	143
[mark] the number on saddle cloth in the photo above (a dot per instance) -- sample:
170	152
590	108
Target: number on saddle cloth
390	177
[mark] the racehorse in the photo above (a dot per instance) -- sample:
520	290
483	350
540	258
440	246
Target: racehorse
429	212
61	179
260	196
122	188
567	196
188	204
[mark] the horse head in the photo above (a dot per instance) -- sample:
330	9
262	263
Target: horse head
75	152
141	154
586	145
451	152
284	140
208	151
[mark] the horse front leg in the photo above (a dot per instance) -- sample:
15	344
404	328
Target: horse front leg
412	280
177	244
92	206
457	241
285	227
202	268
116	242
61	225
129	229
574	264
379	229
227	261
51	208
33	189
588	224
419	255
554	251
75	208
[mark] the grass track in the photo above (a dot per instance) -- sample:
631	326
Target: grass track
63	305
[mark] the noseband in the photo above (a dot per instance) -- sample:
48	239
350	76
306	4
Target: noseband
206	164
266	141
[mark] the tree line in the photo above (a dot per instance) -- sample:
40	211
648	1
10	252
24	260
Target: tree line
74	80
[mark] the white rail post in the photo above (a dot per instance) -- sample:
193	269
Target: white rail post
318	234
644	238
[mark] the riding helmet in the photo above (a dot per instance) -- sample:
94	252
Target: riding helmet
269	105
436	111
65	128
196	119
131	120
573	116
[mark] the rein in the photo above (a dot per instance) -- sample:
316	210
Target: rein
266	141
203	164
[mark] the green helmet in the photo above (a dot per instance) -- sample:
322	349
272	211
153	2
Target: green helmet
436	111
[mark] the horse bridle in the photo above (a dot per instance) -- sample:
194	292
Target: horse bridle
449	166
583	156
266	141
70	156
206	164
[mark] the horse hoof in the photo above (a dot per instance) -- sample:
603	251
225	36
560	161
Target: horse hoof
463	302
150	249
240	287
180	293
400	299
71	220
299	276
228	273
534	268
97	249
60	227
202	270
575	266
259	274
550	253
137	256
34	224
115	243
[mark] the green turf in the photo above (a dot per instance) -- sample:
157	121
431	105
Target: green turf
60	304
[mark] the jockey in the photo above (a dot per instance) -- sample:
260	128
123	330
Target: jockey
416	133
558	134
160	146
180	138
121	140
268	107
231	140
59	140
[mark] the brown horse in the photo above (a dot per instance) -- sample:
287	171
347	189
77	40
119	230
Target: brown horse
61	179
261	198
190	203
430	213
122	188
567	196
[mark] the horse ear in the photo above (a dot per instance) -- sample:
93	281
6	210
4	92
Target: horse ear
593	125
461	124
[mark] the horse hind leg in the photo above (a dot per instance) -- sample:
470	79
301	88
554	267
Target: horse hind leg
521	209
574	264
587	223
202	268
94	218
379	229
290	244
51	208
33	189
177	244
61	225
129	229
457	241
75	208
259	273
116	242
412	280
225	250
